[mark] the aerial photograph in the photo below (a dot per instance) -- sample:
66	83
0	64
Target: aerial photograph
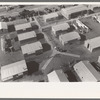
50	43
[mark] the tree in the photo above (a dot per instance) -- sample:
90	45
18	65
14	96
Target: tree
25	13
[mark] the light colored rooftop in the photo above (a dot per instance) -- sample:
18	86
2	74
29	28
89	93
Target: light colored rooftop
69	36
62	26
86	71
26	35
94	42
22	26
3	25
57	76
51	15
31	48
13	69
74	9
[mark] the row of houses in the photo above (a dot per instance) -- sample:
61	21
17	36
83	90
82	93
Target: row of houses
28	48
83	70
58	29
89	43
71	12
19	68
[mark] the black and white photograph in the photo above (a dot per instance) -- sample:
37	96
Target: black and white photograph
50	43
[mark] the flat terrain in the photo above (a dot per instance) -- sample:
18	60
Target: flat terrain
49	41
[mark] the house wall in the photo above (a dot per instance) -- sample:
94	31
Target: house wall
39	51
90	48
99	59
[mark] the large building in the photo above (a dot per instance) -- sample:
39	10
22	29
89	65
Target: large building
92	44
17	22
65	38
57	76
13	70
27	36
74	11
23	27
86	72
57	29
50	16
32	48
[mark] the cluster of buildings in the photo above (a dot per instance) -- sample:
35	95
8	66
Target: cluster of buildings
85	70
18	35
70	12
25	35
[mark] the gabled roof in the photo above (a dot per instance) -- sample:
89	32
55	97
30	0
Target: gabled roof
51	15
62	26
73	9
13	69
86	71
26	35
31	48
22	26
94	42
57	76
69	36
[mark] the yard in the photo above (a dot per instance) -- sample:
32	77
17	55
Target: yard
76	46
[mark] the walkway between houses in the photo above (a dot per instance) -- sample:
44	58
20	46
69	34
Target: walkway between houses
53	54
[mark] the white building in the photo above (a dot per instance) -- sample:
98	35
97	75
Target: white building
57	76
2	43
66	12
65	38
32	48
93	43
15	69
60	27
99	59
17	22
3	27
23	26
86	72
26	35
81	25
50	16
